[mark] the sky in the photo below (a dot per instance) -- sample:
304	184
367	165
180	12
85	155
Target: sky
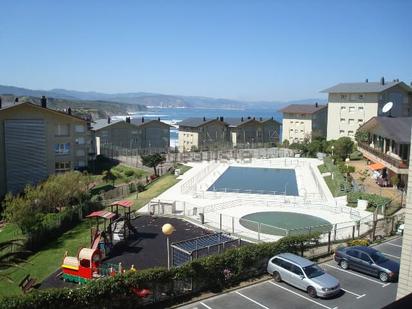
247	50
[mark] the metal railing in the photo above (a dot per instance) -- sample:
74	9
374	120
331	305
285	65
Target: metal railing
387	158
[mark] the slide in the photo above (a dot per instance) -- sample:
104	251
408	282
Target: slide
96	241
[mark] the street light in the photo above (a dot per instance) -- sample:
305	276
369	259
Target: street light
333	147
168	230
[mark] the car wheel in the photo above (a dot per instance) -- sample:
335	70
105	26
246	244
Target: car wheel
384	277
276	276
344	264
312	292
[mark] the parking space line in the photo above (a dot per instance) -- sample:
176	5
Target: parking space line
388	243
386	284
391	255
206	306
357	275
252	300
353	293
313	301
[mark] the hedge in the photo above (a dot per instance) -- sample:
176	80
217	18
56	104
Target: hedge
374	200
211	273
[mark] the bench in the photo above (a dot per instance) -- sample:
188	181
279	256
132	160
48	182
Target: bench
27	284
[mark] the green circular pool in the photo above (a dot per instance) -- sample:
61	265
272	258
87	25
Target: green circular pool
279	222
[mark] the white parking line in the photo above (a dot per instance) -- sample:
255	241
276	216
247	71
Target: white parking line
391	255
206	306
307	298
357	275
353	293
252	300
388	243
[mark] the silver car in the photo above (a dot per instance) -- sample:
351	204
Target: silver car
303	274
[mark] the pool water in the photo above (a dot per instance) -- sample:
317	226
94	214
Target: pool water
277	222
257	181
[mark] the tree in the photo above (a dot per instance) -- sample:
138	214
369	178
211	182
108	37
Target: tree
11	254
343	147
153	160
108	176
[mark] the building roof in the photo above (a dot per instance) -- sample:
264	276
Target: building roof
365	87
302	108
397	129
103	123
9	107
195	122
232	122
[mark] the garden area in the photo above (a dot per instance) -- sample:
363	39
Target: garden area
47	220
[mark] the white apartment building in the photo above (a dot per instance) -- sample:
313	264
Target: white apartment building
303	121
352	104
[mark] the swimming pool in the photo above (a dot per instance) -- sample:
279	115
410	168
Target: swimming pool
257	181
278	222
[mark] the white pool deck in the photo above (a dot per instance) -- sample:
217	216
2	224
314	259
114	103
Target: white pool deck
223	209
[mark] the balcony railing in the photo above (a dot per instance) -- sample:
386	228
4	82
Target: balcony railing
387	158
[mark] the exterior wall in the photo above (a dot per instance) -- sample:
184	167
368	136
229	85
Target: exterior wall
345	116
402	102
296	127
188	137
79	142
319	123
155	134
120	134
271	131
405	274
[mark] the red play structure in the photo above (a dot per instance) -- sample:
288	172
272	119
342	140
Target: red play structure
116	226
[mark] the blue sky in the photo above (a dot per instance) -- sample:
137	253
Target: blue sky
249	50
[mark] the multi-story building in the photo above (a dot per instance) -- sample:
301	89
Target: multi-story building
148	135
387	143
203	134
352	104
36	142
303	122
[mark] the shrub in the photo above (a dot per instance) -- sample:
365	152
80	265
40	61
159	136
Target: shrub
356	155
132	187
140	187
358	242
374	200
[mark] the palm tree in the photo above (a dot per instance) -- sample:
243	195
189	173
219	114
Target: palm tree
11	255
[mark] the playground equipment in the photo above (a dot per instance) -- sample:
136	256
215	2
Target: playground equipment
122	226
102	238
87	266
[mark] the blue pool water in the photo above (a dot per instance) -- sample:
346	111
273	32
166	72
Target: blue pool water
257	181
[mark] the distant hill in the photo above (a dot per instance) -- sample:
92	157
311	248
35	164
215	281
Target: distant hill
152	99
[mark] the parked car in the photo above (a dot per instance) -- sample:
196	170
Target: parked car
303	274
367	260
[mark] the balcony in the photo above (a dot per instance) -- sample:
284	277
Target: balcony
380	156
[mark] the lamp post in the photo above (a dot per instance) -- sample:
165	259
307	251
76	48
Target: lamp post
333	147
168	230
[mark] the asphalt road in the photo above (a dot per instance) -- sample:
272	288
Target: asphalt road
358	290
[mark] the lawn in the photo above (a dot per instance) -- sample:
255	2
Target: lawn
46	261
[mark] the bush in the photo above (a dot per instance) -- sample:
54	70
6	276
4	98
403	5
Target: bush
374	201
358	242
140	187
132	187
356	155
208	273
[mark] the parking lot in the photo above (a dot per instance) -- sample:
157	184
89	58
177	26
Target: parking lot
358	290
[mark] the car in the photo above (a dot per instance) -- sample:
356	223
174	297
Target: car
303	274
367	260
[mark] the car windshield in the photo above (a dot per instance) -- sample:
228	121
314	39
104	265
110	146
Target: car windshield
378	257
313	271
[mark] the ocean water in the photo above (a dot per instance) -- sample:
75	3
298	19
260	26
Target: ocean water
174	115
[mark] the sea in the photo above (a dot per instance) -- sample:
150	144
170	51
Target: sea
173	116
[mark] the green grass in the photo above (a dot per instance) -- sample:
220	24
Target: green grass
9	232
331	184
323	169
183	168
43	263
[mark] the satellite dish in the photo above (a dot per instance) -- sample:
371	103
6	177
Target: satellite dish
387	107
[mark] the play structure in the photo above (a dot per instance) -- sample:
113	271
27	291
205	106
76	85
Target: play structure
110	228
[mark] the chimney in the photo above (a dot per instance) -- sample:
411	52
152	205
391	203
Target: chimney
254	118
248	117
241	119
43	101
142	119
16	100
366	81
158	118
69	111
260	118
128	119
221	118
382	80
0	102
108	119
316	105
204	118
272	118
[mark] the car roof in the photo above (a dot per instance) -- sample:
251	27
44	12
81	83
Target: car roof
368	250
295	259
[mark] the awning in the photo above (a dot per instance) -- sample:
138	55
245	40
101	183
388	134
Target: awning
101	214
124	203
376	166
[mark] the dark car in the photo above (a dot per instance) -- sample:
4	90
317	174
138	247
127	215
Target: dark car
369	261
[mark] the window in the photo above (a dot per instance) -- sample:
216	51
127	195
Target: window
291	130
79	128
313	271
350	133
360	121
301	131
343	96
342	132
296	130
351	121
360	97
297	270
353	253
351	109
61	167
291	122
360	109
62	130
342	120
302	123
80	153
343	108
365	257
81	164
62	149
80	141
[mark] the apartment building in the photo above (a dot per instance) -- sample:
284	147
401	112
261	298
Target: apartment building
304	122
203	134
146	135
350	105
36	142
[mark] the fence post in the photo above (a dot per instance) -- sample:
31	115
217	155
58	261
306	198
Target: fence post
334	232
233	225
353	232
329	234
220	219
